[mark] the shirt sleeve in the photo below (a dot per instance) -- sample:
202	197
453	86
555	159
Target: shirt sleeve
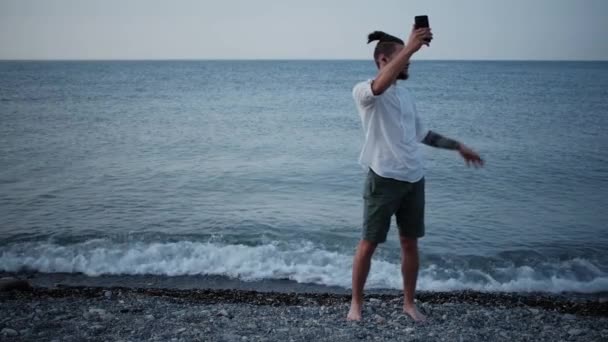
363	94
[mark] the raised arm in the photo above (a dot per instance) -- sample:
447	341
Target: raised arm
388	74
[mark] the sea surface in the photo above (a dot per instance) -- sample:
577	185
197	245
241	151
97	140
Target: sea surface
248	170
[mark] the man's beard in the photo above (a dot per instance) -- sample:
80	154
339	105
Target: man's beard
403	76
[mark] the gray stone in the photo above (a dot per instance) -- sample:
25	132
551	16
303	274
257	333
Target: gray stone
149	316
534	311
9	332
575	332
409	330
379	319
503	334
62	317
108	294
569	317
97	311
223	312
181	330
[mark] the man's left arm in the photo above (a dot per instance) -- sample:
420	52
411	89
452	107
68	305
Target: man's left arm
439	141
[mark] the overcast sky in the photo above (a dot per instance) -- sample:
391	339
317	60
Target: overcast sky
298	29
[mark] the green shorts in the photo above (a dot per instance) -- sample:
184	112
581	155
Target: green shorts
385	197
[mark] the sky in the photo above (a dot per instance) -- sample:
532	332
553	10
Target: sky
299	29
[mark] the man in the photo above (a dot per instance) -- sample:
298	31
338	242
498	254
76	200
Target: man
391	151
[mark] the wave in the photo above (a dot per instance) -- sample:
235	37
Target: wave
302	262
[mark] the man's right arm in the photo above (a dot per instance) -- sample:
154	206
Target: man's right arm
388	74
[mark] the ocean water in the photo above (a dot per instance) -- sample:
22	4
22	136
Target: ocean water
248	169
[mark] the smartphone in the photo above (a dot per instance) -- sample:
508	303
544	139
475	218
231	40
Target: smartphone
422	21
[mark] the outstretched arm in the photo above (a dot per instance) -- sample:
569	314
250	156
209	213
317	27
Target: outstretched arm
437	140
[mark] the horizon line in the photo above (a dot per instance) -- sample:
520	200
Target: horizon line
280	59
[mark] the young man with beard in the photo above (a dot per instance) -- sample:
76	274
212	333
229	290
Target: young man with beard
391	151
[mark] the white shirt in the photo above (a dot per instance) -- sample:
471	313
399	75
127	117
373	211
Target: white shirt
393	132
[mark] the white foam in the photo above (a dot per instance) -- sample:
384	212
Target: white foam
303	262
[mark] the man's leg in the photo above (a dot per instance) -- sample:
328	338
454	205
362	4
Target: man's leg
410	219
381	200
361	265
409	272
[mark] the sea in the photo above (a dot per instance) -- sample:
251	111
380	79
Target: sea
248	171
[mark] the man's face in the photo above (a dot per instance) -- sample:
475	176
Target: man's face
403	75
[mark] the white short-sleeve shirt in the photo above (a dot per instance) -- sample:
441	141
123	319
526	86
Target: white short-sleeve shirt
393	132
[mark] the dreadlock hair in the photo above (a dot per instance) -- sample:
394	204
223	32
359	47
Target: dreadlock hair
386	44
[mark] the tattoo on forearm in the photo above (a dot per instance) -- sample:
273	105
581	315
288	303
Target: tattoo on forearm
438	140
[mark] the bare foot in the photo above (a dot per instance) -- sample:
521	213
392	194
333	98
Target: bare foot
354	314
412	311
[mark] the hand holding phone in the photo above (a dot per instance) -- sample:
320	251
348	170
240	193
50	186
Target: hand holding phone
422	21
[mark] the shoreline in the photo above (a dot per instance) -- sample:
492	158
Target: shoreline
211	289
231	296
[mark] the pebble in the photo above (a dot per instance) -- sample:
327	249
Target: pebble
108	294
569	317
223	312
9	332
575	332
534	311
97	311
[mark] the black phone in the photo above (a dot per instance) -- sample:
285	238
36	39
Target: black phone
422	21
